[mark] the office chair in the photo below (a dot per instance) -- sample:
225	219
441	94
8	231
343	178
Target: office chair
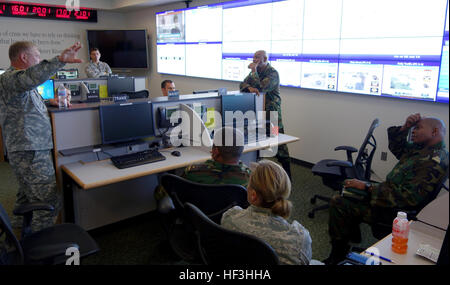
136	94
47	246
213	200
334	172
218	245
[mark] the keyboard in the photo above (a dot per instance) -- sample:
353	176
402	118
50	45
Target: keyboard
137	158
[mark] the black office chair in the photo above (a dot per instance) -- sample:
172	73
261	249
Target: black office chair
47	246
136	94
383	226
334	172
218	245
213	200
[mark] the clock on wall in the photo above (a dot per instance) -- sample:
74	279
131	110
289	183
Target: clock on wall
41	11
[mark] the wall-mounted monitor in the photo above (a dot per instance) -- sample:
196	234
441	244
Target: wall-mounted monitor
384	48
120	49
126	122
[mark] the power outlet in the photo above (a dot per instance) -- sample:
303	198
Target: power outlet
383	156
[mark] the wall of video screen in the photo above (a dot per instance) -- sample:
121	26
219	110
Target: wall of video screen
382	48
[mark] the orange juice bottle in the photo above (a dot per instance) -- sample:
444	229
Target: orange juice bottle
400	232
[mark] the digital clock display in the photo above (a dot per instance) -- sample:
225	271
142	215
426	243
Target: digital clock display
46	12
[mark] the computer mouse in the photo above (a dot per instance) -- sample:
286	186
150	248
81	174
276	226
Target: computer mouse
175	153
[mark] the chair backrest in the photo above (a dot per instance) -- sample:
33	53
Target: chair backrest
10	250
218	245
211	199
363	162
137	94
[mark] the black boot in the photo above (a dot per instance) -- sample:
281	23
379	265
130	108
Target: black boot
339	250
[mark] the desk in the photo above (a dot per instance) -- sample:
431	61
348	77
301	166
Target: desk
419	233
97	193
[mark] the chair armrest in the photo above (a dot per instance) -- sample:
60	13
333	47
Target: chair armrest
30	207
49	251
340	163
165	205
346	148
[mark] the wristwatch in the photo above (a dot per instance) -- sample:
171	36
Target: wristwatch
368	186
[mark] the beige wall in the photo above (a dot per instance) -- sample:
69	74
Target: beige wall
53	36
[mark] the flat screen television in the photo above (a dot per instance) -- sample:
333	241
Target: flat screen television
385	48
120	49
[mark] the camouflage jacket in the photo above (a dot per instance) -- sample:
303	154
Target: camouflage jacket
213	172
94	70
23	114
291	241
416	174
267	81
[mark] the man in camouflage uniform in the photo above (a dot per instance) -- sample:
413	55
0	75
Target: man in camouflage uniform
264	78
422	165
27	128
96	68
224	167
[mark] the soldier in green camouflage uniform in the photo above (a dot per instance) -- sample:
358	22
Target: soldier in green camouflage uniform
224	167
95	67
27	128
264	78
422	165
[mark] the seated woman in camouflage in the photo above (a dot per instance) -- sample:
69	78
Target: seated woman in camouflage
268	190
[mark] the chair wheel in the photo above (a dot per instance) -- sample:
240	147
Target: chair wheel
311	214
313	200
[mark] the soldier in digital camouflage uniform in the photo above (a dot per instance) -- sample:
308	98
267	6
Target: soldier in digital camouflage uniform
27	128
268	190
264	78
422	165
95	67
225	166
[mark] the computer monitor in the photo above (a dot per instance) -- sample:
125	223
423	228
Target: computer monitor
47	90
238	102
117	85
67	73
126	122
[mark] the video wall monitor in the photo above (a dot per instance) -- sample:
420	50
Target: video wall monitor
47	90
117	85
120	48
352	46
243	102
126	122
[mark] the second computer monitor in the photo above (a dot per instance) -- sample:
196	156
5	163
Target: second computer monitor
237	102
126	122
118	85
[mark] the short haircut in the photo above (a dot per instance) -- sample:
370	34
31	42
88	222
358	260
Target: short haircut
163	84
229	142
18	47
94	49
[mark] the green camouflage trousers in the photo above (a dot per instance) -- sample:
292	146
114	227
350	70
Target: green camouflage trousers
345	215
36	178
274	104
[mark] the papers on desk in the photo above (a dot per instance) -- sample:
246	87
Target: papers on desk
428	252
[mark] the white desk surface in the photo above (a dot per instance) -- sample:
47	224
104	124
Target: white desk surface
100	173
419	233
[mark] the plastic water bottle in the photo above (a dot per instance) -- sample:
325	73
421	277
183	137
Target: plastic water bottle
400	232
62	97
